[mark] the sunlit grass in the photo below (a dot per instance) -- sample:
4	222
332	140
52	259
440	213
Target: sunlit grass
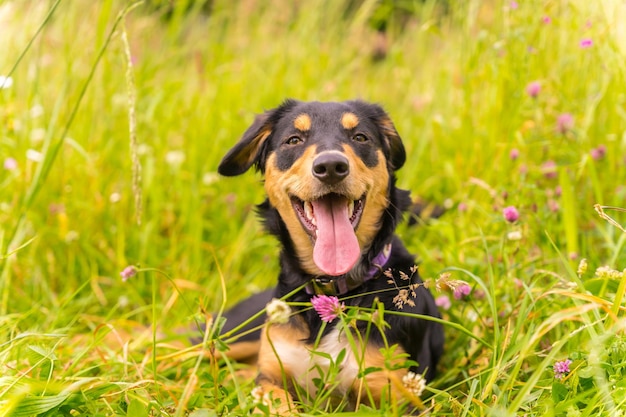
499	104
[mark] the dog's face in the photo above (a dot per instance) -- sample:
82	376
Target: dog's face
327	170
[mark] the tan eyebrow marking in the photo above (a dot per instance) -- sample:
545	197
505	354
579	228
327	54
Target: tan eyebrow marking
303	122
349	120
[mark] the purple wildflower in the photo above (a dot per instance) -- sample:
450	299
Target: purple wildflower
598	153
462	291
514	5
523	169
564	123
546	20
510	214
553	206
533	89
56	208
558	191
549	169
128	272
443	301
562	368
10	164
327	306
586	43
514	154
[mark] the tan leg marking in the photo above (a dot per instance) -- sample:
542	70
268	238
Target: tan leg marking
376	385
281	347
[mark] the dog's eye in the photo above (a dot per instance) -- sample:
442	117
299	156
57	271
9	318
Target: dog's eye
359	137
293	140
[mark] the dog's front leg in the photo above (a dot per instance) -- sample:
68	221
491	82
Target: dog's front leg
276	399
282	355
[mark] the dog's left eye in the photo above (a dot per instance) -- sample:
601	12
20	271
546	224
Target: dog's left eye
359	137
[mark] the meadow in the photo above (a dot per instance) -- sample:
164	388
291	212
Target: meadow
114	116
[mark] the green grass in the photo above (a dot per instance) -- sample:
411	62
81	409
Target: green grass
72	340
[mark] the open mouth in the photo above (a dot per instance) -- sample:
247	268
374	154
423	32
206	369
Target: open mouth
307	213
331	222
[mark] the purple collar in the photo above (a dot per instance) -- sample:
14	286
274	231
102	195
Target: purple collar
345	283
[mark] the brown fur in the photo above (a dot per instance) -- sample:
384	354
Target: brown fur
298	181
349	121
309	152
303	122
247	158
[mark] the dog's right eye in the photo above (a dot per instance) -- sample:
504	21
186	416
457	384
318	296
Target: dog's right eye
359	137
293	140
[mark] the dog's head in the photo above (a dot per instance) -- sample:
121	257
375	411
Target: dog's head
327	170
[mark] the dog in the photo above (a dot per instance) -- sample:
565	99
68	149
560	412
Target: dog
332	202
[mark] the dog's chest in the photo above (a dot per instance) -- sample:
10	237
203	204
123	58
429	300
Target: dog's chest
333	361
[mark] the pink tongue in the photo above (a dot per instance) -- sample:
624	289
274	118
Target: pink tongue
336	246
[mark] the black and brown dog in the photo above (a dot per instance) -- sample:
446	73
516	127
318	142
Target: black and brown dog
332	202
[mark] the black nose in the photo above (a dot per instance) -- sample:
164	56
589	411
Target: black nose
330	168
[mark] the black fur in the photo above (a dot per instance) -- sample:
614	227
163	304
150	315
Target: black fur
421	339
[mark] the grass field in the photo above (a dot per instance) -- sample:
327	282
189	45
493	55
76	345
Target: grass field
114	116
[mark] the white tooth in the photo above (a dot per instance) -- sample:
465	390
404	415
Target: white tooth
308	211
350	208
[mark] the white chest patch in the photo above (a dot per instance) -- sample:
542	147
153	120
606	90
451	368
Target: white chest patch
333	361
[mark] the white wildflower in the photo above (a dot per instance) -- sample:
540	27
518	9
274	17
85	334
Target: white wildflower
209	178
36	111
37	135
144	149
514	235
472	316
71	236
175	158
34	155
582	267
608	272
278	311
415	383
115	197
259	396
123	301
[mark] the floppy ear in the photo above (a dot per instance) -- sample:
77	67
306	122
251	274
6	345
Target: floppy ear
249	148
397	154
